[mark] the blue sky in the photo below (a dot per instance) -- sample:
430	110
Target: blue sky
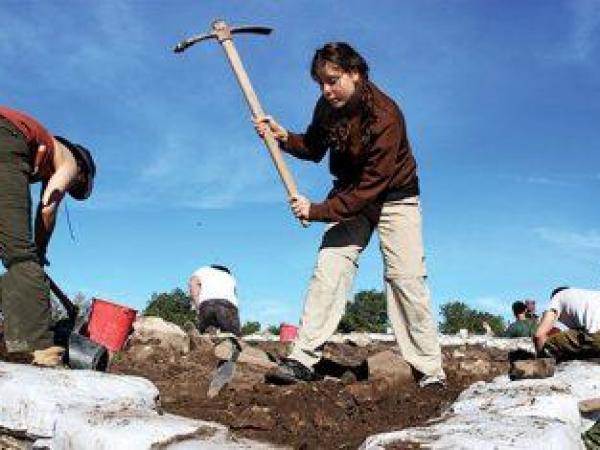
502	101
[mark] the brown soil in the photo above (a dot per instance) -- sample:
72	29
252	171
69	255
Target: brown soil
326	414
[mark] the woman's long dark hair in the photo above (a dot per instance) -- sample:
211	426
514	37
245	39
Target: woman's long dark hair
336	124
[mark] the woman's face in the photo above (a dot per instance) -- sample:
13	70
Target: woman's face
337	85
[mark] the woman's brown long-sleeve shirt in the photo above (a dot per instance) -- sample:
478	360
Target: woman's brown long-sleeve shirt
365	175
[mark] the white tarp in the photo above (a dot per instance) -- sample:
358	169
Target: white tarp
79	409
504	414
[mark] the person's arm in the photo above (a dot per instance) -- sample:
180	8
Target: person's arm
194	286
53	191
543	329
310	145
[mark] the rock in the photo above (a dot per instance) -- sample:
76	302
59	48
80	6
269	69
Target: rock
532	368
390	367
154	330
11	443
339	358
257	418
477	367
345	355
255	357
590	405
249	355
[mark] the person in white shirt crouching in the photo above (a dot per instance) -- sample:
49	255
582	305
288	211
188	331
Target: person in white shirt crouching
214	297
579	311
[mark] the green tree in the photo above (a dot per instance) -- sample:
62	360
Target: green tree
367	312
457	315
273	329
250	328
171	306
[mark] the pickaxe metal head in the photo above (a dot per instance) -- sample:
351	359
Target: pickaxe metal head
221	32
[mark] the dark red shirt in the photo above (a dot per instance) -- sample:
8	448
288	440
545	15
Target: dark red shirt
35	135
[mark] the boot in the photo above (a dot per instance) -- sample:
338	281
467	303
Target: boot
48	357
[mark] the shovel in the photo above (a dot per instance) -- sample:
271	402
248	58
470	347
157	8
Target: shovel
82	353
225	371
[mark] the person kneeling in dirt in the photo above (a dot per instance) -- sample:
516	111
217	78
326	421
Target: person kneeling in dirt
375	186
29	154
213	293
578	310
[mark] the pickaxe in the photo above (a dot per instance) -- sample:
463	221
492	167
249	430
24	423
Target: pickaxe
223	33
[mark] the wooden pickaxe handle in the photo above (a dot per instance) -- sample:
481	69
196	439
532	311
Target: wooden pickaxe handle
257	112
223	33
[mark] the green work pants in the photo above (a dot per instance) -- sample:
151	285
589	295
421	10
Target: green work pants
573	344
24	293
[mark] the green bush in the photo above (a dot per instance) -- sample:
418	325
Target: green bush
171	306
457	315
367	312
250	328
273	329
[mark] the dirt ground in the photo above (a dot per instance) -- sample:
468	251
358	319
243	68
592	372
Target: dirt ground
336	413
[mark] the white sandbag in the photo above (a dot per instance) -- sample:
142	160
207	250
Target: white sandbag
504	414
83	410
33	397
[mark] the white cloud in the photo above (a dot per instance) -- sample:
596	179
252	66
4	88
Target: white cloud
549	181
556	180
589	240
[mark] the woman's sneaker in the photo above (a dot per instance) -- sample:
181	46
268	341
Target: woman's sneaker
290	371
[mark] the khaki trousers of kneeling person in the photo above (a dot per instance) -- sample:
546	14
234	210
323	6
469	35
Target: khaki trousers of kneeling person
573	344
408	301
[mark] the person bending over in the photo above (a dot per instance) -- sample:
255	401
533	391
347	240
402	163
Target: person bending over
214	297
29	154
579	311
375	187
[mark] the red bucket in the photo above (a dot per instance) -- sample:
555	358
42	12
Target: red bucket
287	332
110	324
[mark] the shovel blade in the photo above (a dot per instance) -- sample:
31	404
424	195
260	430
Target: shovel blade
222	376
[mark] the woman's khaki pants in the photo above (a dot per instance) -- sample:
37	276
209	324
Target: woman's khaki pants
408	303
